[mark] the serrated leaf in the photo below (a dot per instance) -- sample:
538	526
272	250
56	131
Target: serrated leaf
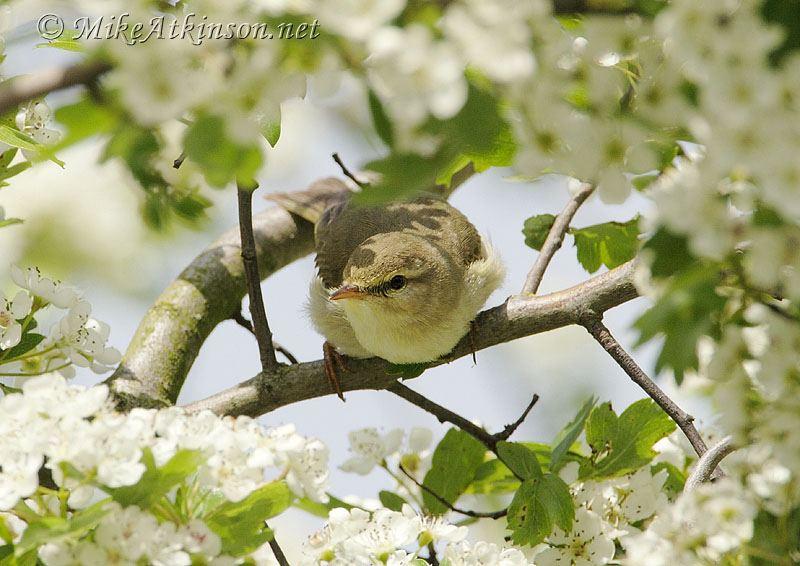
687	310
52	529
242	525
14	170
569	434
157	482
27	343
536	229
540	503
401	175
391	500
520	459
383	125
624	444
610	243
455	461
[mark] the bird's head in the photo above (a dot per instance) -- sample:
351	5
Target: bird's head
399	278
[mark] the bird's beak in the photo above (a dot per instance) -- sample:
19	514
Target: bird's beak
347	292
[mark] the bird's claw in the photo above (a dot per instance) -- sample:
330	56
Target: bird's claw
331	358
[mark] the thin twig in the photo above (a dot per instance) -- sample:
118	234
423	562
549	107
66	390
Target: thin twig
346	171
260	325
239	319
708	462
444	415
22	89
509	429
443	501
179	160
555	237
593	323
276	549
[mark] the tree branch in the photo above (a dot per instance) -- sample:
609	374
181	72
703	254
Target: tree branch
469	513
170	335
593	323
27	87
257	311
519	316
555	237
444	415
708	462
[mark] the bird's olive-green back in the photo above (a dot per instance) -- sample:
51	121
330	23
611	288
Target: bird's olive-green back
345	226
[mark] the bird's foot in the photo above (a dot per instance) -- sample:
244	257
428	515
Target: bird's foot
473	327
331	357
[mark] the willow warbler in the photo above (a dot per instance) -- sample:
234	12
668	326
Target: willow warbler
401	281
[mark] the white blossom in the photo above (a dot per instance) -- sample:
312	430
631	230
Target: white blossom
371	448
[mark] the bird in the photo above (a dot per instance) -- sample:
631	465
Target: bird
402	280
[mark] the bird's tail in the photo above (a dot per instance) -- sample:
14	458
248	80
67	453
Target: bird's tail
311	203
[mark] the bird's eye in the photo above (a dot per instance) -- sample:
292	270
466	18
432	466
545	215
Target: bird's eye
397	282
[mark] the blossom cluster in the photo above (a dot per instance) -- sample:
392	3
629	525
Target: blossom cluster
75	339
357	537
39	427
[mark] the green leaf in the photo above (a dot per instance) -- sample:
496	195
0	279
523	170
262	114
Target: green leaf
624	444
138	147
383	125
242	525
391	500
15	138
157	482
569	434
272	131
688	309
673	485
455	461
493	477
84	119
15	169
402	175
610	244
7	157
320	509
27	343
220	158
775	538
10	221
784	13
536	229
52	529
520	459
540	503
669	252
407	371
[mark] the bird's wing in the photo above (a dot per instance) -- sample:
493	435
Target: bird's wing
312	203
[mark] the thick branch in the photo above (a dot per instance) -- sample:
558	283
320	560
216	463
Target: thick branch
519	316
555	237
170	335
257	312
708	462
27	87
593	323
